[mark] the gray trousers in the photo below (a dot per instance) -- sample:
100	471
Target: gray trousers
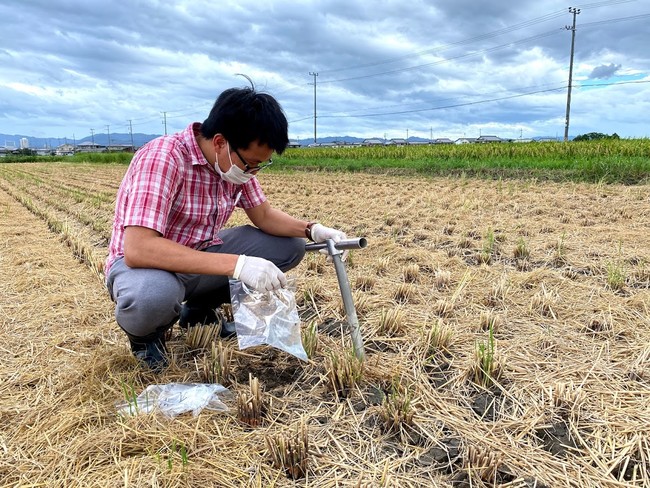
149	301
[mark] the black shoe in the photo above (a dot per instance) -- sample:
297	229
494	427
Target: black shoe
228	330
200	316
197	316
150	351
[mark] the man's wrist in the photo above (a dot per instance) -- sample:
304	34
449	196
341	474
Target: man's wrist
308	228
238	266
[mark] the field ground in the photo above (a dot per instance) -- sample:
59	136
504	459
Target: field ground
547	283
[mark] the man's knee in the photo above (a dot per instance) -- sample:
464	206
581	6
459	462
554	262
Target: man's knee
145	306
295	252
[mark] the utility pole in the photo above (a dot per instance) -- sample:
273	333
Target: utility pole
131	132
92	135
431	135
108	131
165	121
314	74
572	28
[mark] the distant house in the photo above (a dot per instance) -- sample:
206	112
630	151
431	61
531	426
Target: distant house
372	142
465	140
88	147
293	144
344	143
120	148
442	140
64	150
486	139
397	142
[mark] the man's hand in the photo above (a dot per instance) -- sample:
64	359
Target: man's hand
259	273
320	233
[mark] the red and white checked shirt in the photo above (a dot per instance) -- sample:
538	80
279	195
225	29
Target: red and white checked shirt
171	188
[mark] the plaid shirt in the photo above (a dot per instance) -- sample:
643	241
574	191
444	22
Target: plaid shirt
171	188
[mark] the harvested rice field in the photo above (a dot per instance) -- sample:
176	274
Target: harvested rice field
506	328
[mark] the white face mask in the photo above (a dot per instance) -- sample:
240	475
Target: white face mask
235	174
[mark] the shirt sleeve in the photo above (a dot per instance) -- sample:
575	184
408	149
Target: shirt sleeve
154	180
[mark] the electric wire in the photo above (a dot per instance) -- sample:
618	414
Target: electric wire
475	102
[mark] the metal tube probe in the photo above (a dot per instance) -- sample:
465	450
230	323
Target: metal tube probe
356	243
335	250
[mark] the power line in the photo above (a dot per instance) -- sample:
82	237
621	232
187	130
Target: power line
604	4
478	102
447	106
614	21
521	89
613	83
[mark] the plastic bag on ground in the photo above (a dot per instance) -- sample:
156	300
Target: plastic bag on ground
267	318
174	399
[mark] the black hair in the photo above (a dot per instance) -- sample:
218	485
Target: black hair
244	115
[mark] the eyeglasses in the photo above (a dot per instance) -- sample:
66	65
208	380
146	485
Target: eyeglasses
252	169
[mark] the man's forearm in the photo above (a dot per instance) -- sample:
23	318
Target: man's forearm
144	250
279	223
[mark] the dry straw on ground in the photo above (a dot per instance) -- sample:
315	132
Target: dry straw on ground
558	272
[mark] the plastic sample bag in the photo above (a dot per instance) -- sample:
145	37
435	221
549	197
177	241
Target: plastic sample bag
174	399
269	318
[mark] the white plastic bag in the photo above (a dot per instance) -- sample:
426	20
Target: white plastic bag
174	399
269	318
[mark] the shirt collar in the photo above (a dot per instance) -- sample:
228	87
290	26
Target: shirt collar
190	136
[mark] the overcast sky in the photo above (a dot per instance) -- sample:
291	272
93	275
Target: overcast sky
443	68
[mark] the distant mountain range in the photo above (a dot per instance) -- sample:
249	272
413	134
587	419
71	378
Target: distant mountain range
13	140
139	139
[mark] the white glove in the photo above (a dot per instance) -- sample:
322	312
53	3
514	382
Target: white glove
259	273
320	233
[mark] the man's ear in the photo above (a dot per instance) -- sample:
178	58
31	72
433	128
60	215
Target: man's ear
219	141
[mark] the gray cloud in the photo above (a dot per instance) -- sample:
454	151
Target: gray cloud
604	71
